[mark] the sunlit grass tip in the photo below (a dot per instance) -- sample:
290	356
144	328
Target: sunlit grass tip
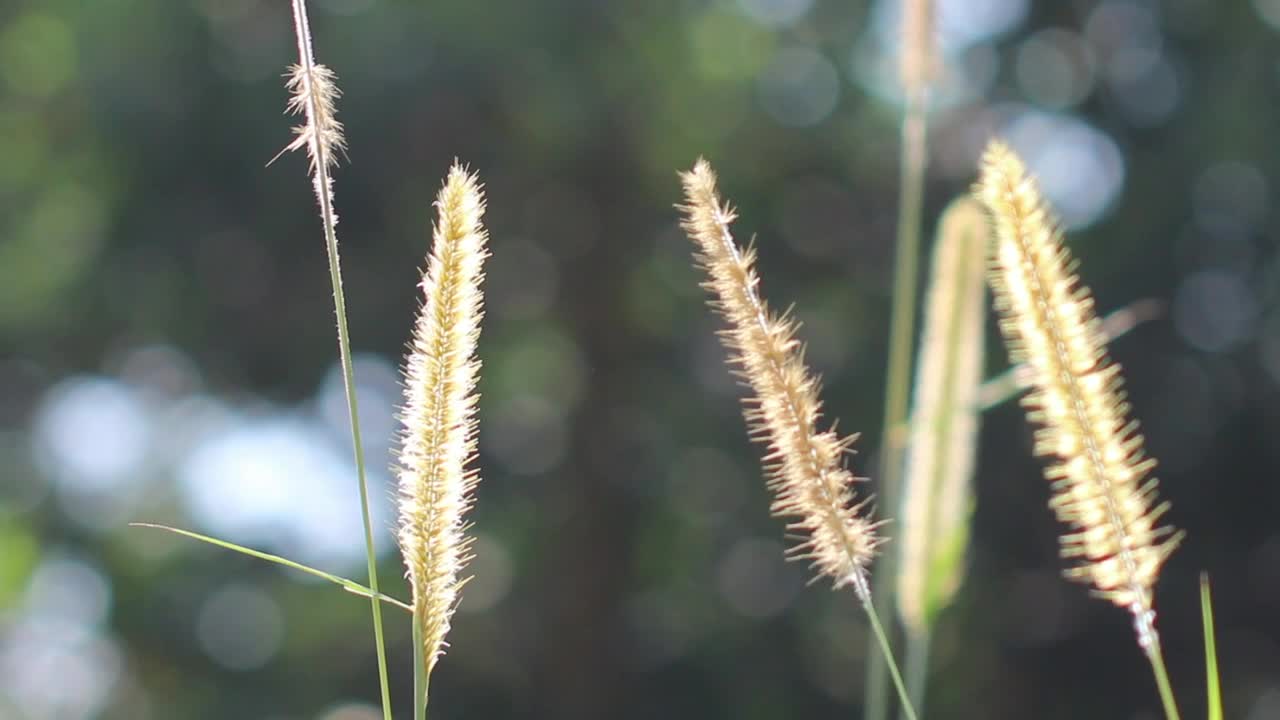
1100	476
438	439
804	465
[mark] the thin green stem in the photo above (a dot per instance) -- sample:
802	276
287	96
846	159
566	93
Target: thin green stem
1213	687
901	336
917	667
421	678
324	194
1156	656
885	651
348	380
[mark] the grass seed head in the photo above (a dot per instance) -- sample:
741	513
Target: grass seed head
804	465
1100	478
438	441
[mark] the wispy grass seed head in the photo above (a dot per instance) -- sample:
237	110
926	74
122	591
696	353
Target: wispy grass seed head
314	93
1100	477
804	465
438	442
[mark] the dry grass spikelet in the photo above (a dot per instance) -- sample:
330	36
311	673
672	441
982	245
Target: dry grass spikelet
439	426
804	465
314	93
1100	477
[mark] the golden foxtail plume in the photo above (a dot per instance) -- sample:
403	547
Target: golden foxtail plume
438	439
804	464
1100	477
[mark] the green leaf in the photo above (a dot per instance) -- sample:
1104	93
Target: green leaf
349	585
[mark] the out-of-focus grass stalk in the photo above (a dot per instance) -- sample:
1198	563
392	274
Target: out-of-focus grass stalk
917	65
937	492
314	94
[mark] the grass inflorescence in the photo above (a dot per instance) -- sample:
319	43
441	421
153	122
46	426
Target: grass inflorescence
1100	476
805	465
438	440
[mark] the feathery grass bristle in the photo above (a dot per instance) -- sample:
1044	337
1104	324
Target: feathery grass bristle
314	94
804	465
1100	477
439	424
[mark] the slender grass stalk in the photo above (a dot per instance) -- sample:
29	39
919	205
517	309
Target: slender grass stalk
314	95
439	423
805	466
1100	476
1213	687
937	495
916	66
882	639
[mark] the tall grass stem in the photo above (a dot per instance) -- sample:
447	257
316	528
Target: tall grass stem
321	160
897	382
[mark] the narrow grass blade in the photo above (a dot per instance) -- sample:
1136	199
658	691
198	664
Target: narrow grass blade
917	63
1012	382
350	586
1214	687
937	492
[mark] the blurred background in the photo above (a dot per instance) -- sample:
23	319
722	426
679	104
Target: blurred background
167	348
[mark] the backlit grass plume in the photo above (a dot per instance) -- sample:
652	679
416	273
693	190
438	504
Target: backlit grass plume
937	495
811	486
937	487
1100	478
439	423
804	465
